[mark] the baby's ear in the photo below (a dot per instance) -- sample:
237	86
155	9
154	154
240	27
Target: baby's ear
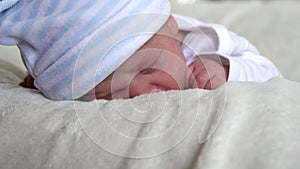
172	24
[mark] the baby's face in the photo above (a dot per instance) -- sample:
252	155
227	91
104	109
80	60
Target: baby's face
159	65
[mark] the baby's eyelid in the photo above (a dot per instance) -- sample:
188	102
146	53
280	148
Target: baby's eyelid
148	71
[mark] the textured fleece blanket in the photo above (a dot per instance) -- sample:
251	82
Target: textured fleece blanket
240	125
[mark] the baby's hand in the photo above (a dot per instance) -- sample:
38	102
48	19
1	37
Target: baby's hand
207	74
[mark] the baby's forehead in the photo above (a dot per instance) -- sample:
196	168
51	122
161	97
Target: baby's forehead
142	59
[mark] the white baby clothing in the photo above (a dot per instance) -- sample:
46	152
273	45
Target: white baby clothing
212	40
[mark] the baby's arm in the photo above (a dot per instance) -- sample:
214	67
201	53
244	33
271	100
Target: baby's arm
235	60
246	63
249	66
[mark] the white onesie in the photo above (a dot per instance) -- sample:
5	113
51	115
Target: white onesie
213	41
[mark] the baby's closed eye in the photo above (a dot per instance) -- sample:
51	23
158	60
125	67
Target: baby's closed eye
148	71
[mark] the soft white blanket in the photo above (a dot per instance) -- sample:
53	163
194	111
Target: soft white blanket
240	125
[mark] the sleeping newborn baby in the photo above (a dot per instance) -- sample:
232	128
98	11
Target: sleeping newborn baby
160	65
85	51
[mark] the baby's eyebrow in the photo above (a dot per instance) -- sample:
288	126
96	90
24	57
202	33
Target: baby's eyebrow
153	62
145	57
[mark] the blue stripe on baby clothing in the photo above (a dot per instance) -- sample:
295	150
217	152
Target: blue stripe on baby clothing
92	26
5	4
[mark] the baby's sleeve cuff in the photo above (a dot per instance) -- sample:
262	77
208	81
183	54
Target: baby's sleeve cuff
257	69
